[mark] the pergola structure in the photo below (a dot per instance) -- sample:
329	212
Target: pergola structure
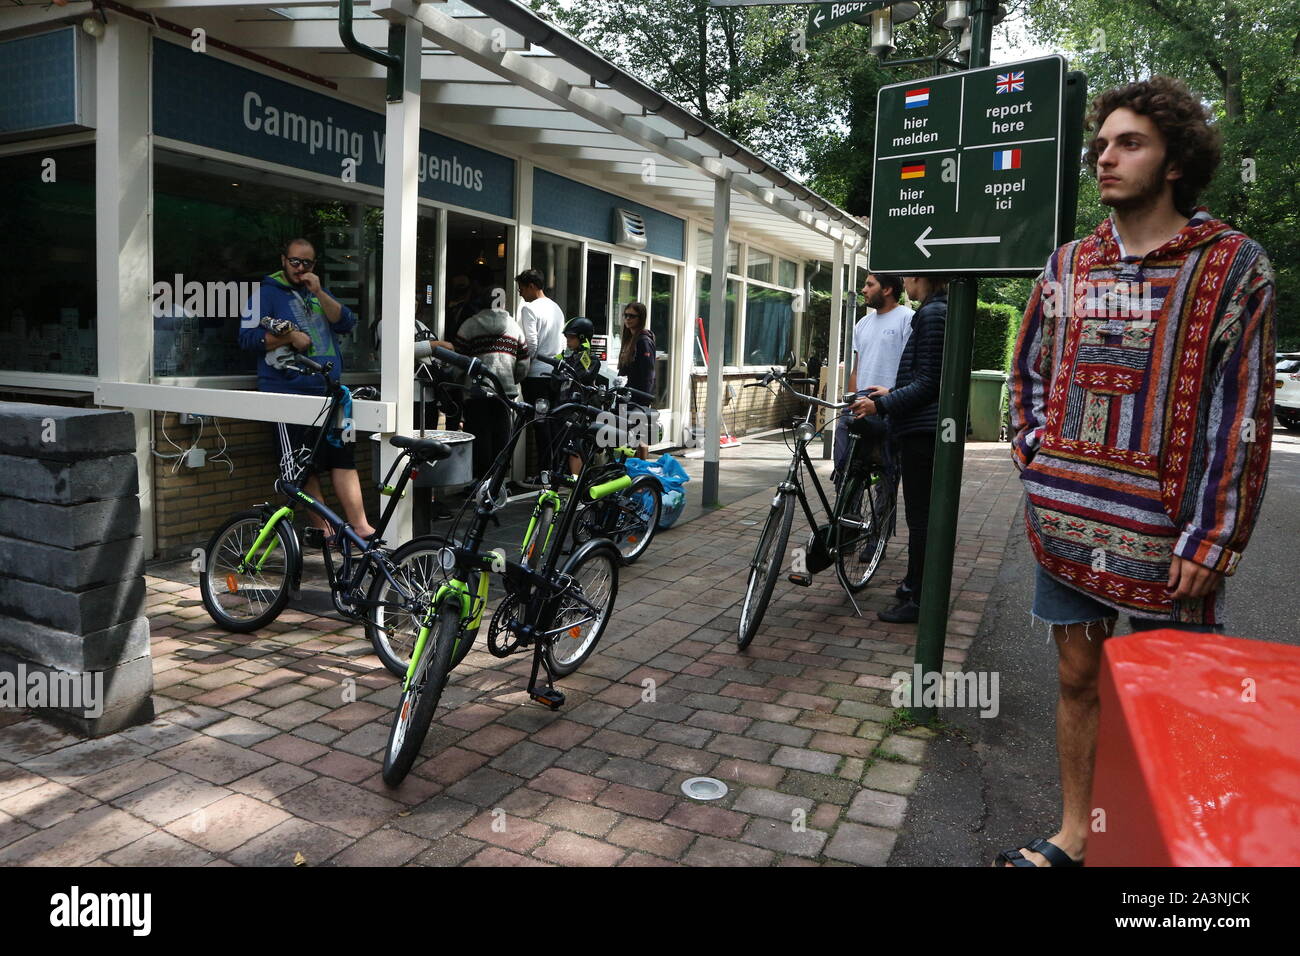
491	72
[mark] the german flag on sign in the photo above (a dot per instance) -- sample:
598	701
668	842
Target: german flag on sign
914	170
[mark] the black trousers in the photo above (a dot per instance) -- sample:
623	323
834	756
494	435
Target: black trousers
917	464
489	422
532	389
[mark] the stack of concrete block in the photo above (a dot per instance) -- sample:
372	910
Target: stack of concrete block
74	642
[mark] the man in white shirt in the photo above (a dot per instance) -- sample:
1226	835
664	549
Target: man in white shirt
878	341
542	320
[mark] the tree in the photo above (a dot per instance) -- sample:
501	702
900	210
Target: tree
1245	63
807	105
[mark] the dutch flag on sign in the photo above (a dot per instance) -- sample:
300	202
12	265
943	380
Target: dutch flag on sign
918	97
1006	159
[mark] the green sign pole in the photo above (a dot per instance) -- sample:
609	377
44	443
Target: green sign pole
954	401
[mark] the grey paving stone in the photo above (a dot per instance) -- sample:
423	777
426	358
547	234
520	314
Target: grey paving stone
813	761
526	759
893	777
865	846
484	787
436	817
634	773
770	803
878	808
779	733
282	843
782	837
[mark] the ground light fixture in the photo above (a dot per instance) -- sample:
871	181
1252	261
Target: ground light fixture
704	788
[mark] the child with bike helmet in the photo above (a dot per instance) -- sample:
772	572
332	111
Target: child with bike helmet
577	356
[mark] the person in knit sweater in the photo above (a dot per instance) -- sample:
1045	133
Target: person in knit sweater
495	339
1141	401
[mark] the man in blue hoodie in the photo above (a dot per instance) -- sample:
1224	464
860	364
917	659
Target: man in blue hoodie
309	321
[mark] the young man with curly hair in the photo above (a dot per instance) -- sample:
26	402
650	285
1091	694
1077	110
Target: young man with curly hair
1142	407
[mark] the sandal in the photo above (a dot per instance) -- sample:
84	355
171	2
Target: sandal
1054	854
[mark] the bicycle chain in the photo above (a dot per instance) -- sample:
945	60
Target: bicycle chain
500	625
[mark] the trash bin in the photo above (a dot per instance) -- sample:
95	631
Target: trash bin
450	473
985	404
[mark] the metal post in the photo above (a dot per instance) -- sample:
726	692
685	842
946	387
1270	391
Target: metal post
834	374
123	237
950	438
397	350
717	338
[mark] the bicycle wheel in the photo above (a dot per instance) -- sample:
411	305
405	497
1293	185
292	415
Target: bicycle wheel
391	629
240	598
581	613
863	532
420	699
765	568
637	517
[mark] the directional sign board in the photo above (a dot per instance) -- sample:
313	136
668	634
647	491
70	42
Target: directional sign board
831	15
967	171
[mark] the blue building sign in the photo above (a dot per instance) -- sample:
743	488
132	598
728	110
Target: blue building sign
201	99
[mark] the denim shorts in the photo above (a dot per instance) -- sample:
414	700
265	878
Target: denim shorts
1058	603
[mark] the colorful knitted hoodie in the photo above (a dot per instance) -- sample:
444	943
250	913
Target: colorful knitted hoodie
1142	410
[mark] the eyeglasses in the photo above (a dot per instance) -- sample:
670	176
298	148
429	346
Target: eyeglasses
295	261
630	315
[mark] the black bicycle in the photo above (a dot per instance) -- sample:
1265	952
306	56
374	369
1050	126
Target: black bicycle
254	560
557	608
857	528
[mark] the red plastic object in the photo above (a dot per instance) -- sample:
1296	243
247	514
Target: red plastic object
1198	754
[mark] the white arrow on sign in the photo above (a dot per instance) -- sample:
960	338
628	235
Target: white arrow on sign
817	19
922	241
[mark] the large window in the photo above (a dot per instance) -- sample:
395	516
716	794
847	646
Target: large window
560	261
704	252
479	249
47	296
216	223
729	356
769	324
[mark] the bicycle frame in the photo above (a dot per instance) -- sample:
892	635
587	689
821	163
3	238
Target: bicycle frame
355	567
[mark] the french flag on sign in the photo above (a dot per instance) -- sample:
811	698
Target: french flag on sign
1006	159
918	97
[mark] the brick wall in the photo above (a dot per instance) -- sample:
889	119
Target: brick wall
190	504
752	409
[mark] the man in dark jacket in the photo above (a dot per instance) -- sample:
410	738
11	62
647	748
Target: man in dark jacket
912	407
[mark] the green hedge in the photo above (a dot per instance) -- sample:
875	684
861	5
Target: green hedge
994	325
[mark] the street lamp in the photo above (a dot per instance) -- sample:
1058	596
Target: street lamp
956	15
882	32
882	25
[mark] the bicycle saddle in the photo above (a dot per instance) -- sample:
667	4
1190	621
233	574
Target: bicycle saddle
426	449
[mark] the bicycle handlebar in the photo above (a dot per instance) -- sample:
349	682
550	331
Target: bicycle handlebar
783	378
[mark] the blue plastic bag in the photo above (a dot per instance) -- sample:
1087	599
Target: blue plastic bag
671	477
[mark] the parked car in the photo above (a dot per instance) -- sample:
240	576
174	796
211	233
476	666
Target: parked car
1286	398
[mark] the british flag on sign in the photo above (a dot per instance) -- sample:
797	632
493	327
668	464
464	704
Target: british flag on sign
1011	82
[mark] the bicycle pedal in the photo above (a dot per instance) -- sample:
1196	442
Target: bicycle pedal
552	698
803	580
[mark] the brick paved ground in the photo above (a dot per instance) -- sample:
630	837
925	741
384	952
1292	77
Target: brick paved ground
270	745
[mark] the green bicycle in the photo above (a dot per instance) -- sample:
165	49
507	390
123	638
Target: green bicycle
559	610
